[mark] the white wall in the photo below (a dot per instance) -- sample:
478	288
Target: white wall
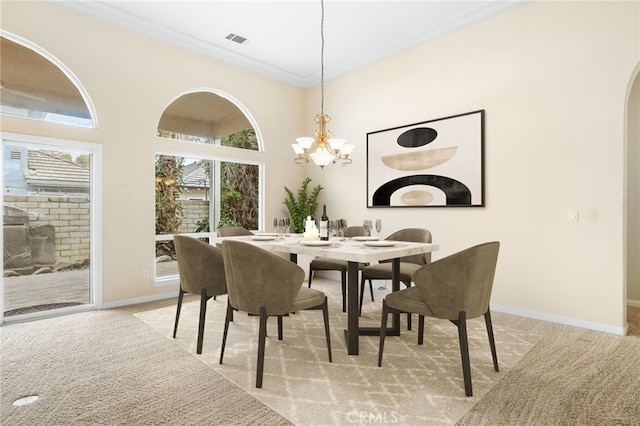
553	78
633	193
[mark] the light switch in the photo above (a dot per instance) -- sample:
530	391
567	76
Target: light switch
573	215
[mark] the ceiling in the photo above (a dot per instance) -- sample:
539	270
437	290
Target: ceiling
283	37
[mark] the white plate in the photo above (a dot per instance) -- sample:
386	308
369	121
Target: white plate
266	234
315	243
379	243
365	238
263	237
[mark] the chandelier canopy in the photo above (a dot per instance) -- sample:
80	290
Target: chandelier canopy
322	148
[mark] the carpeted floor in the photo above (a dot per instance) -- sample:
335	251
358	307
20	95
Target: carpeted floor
113	368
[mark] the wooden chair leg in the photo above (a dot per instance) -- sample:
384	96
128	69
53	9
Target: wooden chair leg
279	327
492	343
371	290
227	318
203	314
343	276
310	275
420	329
175	326
325	315
261	344
464	352
383	331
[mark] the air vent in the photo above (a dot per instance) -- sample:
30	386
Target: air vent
15	155
237	39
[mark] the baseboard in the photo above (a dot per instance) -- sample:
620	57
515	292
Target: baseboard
621	331
138	300
634	303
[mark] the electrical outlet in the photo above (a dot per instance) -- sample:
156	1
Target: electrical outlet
573	215
145	273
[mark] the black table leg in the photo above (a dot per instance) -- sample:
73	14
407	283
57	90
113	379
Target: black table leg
394	330
352	332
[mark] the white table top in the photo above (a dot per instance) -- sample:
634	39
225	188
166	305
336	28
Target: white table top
349	249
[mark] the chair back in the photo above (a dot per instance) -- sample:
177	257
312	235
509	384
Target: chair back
355	231
232	231
256	277
200	265
459	282
414	235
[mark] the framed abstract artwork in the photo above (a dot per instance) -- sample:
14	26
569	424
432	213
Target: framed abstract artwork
436	163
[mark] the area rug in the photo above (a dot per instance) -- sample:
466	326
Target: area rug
416	385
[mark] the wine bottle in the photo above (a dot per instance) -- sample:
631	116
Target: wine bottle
324	224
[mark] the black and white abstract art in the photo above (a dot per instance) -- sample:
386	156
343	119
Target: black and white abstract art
436	163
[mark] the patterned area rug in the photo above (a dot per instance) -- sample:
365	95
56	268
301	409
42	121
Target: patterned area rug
416	385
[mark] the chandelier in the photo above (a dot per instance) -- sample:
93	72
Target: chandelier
322	148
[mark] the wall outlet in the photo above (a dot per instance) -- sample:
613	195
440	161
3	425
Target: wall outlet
573	215
145	273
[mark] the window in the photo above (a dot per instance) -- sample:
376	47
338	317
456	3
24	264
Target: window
35	86
192	193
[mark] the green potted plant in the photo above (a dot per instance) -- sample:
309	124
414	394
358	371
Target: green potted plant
303	205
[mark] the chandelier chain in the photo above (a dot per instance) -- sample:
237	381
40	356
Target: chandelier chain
322	59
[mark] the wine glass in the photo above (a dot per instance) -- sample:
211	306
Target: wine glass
342	226
367	225
378	226
287	224
281	225
275	225
333	228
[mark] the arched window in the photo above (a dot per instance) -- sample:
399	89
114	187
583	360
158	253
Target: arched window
196	194
33	84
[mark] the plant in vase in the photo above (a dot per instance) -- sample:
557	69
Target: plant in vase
303	205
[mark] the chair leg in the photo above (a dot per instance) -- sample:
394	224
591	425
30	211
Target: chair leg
175	326
371	290
261	344
383	331
310	274
464	352
420	329
227	318
408	284
492	343
362	292
344	290
325	314
203	314
279	327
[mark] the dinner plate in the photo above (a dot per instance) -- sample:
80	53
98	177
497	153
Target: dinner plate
315	243
365	238
379	243
266	234
263	237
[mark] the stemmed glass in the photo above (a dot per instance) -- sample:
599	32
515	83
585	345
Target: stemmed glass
275	225
333	228
287	224
342	226
281	225
367	227
378	226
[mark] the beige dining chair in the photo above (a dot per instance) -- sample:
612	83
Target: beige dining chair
232	231
456	288
201	269
324	264
265	284
408	264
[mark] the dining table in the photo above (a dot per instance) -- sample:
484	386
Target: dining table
353	250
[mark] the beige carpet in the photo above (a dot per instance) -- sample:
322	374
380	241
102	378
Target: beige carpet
108	368
416	385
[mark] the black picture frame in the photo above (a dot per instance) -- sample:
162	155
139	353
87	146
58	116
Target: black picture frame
434	163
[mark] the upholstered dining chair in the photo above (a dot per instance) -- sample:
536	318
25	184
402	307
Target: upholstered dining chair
232	231
201	269
456	288
408	264
265	284
323	264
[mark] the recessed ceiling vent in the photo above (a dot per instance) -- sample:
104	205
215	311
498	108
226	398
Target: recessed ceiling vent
238	39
